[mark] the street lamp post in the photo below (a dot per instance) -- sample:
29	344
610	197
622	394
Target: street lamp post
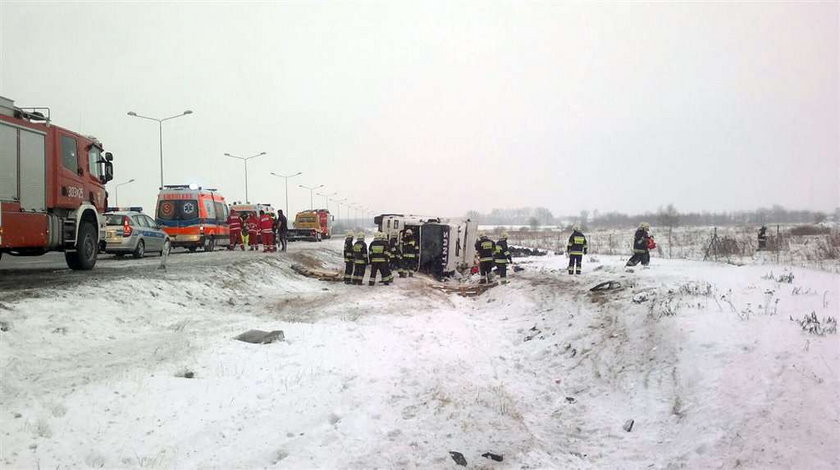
160	133
117	192
338	211
286	177
245	159
311	190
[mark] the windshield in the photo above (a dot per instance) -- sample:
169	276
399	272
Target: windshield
113	219
178	210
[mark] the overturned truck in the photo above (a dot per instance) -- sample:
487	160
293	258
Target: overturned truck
446	245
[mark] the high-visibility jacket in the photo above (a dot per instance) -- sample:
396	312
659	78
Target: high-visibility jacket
577	244
360	253
379	252
502	253
409	247
485	248
640	241
348	250
234	223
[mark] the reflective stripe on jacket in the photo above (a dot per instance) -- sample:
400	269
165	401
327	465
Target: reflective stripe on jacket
360	254
379	252
577	244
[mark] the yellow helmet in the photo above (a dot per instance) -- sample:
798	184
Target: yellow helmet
504	235
379	236
349	235
361	235
644	225
409	232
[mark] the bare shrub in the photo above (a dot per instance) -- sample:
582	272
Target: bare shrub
811	324
801	230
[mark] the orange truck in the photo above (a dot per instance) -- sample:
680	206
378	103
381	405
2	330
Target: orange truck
52	187
313	225
193	217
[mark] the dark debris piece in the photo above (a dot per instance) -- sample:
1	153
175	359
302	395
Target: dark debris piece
606	286
492	456
261	337
458	458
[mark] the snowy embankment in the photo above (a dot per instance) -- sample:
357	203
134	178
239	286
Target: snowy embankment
703	357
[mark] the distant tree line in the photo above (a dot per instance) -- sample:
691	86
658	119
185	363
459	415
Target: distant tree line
667	216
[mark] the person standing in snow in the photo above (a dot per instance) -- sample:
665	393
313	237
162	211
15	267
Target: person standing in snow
380	257
266	231
641	243
576	248
395	255
360	259
235	226
348	258
502	257
282	229
252	224
485	248
762	238
409	254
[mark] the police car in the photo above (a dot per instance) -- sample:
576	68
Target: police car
128	230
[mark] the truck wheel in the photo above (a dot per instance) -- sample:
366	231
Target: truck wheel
140	250
84	258
209	244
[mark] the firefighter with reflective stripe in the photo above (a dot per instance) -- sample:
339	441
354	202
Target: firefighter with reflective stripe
360	259
235	226
396	256
576	248
409	254
266	231
641	243
348	258
501	255
380	257
485	249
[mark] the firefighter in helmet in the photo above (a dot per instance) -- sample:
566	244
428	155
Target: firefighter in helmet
360	259
410	254
501	255
576	248
395	255
641	246
380	257
348	258
485	248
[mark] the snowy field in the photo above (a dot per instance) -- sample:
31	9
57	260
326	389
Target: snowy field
703	357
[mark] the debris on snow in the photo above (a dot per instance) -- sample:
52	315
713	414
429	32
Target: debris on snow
261	337
628	426
185	373
640	297
492	456
458	458
320	274
811	324
520	251
606	286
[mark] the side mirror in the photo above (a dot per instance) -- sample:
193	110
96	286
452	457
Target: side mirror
109	156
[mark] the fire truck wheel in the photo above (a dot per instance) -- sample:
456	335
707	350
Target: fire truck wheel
84	258
140	250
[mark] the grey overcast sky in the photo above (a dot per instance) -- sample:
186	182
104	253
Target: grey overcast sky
442	107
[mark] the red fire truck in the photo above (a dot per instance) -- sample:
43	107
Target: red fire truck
52	187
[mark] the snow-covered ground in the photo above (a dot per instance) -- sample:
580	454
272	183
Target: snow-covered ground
703	357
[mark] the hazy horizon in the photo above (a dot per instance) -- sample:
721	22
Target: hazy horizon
440	108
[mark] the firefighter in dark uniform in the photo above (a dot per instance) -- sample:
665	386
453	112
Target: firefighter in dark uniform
485	248
360	259
380	258
576	248
348	258
396	256
409	254
502	257
641	241
762	238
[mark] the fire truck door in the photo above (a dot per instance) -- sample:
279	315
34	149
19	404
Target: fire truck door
71	186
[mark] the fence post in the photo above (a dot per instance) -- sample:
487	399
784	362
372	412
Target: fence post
778	243
611	252
669	241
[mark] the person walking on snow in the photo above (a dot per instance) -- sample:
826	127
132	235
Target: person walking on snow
485	248
348	258
576	248
380	258
641	246
501	255
360	259
235	226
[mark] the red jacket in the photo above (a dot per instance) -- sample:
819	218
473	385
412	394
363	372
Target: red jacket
234	223
651	243
266	223
252	224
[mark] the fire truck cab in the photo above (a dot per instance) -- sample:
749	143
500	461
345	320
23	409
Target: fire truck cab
52	187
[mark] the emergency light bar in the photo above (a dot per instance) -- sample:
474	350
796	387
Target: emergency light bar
124	209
